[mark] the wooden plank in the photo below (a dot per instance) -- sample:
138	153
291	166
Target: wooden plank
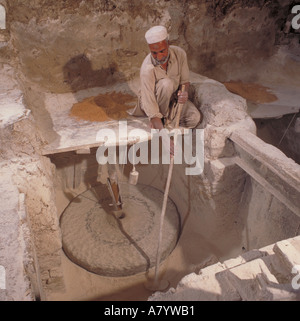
51	149
56	148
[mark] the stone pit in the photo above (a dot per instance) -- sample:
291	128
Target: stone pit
234	224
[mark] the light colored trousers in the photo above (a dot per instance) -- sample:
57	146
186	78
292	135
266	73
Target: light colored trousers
164	93
190	115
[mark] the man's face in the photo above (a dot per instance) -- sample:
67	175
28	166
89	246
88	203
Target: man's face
160	51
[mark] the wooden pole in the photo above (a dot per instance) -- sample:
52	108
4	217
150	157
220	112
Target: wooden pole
166	194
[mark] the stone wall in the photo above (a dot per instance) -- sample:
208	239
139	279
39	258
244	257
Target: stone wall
30	230
71	45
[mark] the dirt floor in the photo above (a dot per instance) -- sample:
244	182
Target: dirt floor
187	257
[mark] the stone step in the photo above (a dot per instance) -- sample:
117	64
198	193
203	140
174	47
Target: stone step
253	280
288	253
205	286
258	275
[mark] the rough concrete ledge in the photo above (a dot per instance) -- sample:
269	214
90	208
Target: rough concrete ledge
223	113
257	275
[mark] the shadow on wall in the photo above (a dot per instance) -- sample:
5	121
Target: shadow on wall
283	133
79	74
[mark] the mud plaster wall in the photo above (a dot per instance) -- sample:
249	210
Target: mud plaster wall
265	220
28	209
33	176
71	45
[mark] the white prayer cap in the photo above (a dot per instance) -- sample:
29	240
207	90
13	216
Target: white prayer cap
156	34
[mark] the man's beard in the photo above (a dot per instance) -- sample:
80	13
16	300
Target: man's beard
161	62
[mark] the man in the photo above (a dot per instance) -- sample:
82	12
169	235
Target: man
163	72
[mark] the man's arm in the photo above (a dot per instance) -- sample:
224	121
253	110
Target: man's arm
156	122
147	90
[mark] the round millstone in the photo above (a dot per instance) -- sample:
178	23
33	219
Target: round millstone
111	243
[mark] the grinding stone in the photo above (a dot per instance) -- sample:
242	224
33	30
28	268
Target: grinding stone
94	238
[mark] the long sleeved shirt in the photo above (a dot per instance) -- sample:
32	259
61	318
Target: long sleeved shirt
151	73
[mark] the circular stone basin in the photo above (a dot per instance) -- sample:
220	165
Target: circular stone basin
97	240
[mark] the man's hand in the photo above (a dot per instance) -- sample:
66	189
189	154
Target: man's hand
182	97
156	123
183	94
